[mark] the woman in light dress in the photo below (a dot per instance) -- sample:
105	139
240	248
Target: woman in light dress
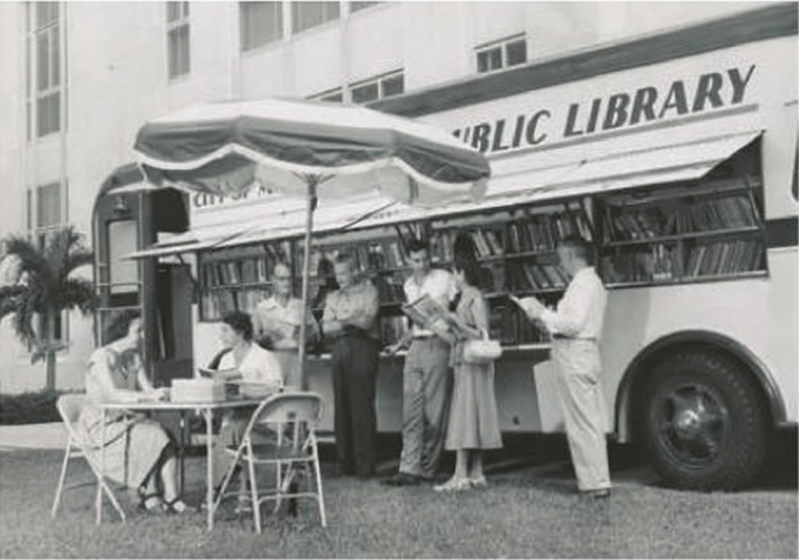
138	452
473	420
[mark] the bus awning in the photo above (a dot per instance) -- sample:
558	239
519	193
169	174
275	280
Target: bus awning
567	177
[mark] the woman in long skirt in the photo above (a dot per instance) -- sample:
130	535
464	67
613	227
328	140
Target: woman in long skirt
138	451
473	420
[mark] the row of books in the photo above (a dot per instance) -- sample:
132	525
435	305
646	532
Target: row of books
245	271
511	327
731	212
725	257
655	263
542	232
523	276
665	262
723	213
216	304
640	223
392	329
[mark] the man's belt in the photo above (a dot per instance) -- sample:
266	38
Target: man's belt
564	337
423	336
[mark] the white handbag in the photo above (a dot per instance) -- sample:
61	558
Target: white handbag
481	351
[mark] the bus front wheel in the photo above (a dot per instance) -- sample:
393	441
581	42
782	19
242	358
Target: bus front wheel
705	427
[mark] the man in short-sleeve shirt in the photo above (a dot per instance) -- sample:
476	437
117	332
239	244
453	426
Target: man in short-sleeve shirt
350	320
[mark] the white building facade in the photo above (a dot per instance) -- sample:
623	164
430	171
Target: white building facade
77	80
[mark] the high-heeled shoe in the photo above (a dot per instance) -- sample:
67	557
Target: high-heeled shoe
175	506
454	484
478	482
149	502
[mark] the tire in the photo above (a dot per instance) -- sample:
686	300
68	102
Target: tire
704	425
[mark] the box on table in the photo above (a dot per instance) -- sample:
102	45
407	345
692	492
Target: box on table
197	390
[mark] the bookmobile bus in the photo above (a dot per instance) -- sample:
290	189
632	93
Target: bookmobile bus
675	154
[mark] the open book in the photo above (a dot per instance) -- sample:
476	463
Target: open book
431	315
227	374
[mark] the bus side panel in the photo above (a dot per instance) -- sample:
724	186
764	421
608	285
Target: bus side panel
758	314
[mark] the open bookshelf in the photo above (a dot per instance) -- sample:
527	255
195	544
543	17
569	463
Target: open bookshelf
694	231
707	230
237	278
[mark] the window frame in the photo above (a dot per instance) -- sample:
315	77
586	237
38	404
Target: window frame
38	233
500	45
180	66
378	82
247	41
329	95
326	17
43	100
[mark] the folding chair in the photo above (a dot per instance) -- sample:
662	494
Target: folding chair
69	407
302	411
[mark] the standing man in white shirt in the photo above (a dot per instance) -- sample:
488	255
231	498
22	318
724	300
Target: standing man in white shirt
276	322
576	327
427	377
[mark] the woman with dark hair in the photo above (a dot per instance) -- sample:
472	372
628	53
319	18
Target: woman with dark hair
246	361
473	420
138	451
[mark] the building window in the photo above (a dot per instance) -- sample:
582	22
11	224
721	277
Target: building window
178	43
335	95
378	87
260	23
356	6
305	15
43	58
48	212
501	54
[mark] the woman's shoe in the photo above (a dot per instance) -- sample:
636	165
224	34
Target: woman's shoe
175	506
479	482
454	484
149	502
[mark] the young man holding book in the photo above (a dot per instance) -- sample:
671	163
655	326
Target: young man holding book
576	326
427	378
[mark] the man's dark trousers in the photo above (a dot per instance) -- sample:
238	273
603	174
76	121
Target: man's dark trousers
355	360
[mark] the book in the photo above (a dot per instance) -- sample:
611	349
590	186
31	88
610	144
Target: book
431	315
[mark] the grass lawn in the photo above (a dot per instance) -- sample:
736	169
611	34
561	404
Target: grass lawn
527	513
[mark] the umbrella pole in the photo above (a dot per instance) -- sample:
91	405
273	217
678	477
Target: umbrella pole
313	181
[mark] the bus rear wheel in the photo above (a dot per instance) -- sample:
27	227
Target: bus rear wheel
704	424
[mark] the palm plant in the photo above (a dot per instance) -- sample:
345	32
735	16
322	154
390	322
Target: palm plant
42	289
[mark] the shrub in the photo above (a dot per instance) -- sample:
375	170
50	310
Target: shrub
33	407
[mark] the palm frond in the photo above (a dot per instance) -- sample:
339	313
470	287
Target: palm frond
78	293
32	260
75	260
10	299
23	321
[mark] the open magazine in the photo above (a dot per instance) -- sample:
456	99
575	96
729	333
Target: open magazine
431	315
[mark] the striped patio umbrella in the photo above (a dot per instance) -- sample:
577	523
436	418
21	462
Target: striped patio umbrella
311	150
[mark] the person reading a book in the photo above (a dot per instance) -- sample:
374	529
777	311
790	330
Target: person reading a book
575	327
350	320
276	324
473	424
139	453
427	377
246	362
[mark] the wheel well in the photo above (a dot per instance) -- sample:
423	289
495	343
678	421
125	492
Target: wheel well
633	385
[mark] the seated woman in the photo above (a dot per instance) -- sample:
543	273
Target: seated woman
138	452
246	361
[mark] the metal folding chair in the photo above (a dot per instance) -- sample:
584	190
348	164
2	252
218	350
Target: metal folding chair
69	407
301	411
